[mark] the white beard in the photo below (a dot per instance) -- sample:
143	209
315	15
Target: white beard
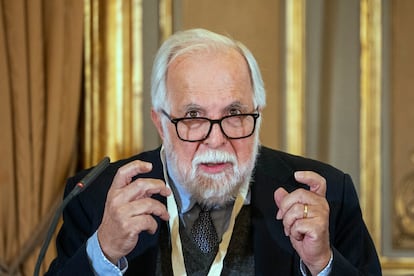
211	189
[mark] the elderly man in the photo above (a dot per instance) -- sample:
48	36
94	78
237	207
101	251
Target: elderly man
212	200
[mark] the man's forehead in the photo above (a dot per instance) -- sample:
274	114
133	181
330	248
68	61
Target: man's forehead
205	82
205	53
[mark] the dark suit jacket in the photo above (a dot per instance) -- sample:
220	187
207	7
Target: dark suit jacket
354	252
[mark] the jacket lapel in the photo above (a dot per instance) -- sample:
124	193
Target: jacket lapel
272	249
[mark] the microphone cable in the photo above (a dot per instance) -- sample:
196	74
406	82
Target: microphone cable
79	187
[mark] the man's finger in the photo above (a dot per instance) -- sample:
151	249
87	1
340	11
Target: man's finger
279	195
316	182
143	188
125	173
146	206
285	201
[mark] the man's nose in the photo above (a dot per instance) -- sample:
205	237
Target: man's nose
216	138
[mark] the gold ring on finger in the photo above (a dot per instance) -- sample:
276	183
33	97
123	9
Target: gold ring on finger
305	210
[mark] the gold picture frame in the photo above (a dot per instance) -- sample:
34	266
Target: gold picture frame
372	181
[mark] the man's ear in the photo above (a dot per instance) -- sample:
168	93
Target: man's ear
155	116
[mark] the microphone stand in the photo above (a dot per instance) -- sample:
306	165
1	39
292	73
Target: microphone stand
79	187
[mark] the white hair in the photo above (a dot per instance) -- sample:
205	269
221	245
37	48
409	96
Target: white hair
193	40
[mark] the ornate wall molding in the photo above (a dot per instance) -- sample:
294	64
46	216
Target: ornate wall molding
295	76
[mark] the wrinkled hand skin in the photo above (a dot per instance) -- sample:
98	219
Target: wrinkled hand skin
129	210
309	236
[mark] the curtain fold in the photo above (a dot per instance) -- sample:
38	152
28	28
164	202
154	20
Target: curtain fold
112	123
40	89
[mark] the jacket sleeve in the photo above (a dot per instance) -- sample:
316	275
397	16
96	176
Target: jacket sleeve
71	241
83	215
354	252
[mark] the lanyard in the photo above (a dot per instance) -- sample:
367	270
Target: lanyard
177	257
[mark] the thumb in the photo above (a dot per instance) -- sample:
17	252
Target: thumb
315	181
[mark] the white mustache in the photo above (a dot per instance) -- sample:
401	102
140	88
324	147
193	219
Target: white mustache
214	156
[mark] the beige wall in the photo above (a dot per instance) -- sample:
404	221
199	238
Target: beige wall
258	27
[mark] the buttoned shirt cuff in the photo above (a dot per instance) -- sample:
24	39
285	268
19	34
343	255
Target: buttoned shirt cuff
324	272
99	263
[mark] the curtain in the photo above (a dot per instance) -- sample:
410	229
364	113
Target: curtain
51	52
112	123
40	90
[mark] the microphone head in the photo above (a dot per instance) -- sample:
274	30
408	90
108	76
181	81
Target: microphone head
91	176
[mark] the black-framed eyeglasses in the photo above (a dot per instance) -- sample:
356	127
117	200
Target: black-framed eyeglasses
196	129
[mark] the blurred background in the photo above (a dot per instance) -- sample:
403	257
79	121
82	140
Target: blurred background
75	87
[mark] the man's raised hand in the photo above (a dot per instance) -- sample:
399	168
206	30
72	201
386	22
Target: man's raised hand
129	210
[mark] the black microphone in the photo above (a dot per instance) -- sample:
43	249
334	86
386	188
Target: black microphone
79	187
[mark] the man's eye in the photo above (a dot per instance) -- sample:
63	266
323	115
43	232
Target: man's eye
192	114
234	112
